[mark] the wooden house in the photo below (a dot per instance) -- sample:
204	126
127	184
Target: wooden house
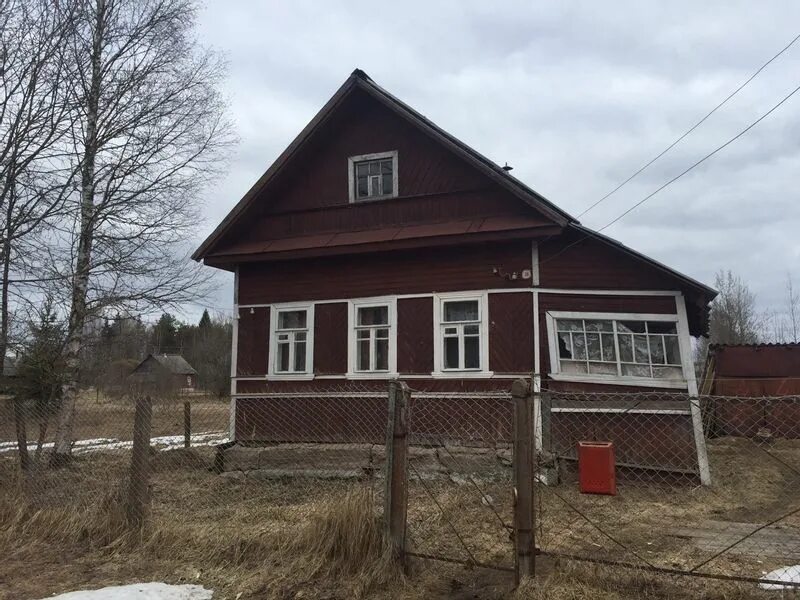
379	246
168	371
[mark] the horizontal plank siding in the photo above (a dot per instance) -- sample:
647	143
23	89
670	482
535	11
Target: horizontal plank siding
415	335
511	333
330	338
253	342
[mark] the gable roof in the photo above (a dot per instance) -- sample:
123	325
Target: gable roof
360	80
174	363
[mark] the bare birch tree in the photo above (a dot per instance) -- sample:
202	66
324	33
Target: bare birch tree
734	319
149	130
33	123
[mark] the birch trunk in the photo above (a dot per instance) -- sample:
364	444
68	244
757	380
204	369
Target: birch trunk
62	449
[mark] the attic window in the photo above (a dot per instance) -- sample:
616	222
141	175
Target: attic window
372	176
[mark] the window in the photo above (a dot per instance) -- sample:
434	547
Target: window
373	176
461	336
291	330
373	337
624	348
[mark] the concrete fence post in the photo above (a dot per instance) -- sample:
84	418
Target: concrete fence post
138	490
524	542
396	496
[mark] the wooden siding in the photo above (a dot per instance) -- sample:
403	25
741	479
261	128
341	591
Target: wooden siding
330	339
591	264
253	346
511	333
415	335
419	271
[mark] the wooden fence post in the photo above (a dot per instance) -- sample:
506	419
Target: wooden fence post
138	491
396	496
523	480
187	424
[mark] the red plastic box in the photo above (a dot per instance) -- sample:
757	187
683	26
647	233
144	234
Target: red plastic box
597	468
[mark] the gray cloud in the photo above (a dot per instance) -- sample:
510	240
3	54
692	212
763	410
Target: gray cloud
575	95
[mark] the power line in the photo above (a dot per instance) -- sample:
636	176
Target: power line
693	127
678	176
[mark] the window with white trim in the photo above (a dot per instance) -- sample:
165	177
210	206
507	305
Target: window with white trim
292	345
372	327
460	328
372	176
618	347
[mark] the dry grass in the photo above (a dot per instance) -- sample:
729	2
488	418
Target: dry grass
248	539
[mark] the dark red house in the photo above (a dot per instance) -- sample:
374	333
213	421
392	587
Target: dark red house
380	246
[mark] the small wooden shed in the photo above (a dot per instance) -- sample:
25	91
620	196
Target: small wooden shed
170	368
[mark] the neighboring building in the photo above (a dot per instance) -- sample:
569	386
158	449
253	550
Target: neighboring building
9	374
761	386
378	246
170	370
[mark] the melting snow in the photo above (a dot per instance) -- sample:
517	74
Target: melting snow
784	574
166	442
140	591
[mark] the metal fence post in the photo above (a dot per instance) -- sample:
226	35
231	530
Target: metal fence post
523	480
396	497
138	492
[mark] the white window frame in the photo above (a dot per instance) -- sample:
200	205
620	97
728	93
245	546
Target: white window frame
439	301
351	175
555	360
275	309
353	305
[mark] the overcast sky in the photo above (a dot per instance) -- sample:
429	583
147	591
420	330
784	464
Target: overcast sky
576	96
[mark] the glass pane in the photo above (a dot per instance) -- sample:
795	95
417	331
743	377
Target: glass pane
656	350
283	358
593	346
636	370
609	352
362	169
375	185
470	330
386	183
382	334
673	350
292	319
386	167
374	168
579	345
451	330
569	325
283	337
661	327
602	368
451	353
382	355
641	351
373	315
472	353
668	373
300	336
569	366
362	334
630	326
462	310
362	187
362	355
564	346
599	326
300	356
626	348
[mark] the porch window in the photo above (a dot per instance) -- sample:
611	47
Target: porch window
373	176
372	338
461	334
623	348
291	333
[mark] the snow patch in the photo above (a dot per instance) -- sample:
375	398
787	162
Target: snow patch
785	575
166	442
140	591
